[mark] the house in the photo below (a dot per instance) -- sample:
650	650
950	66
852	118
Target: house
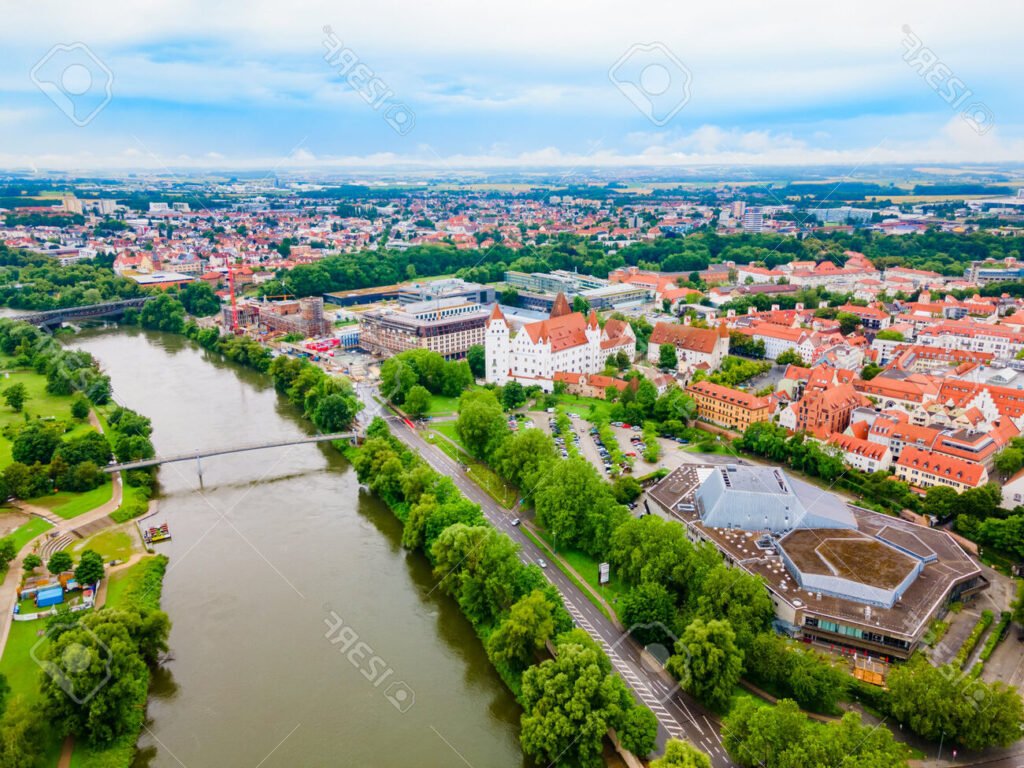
924	469
827	402
694	346
862	454
729	407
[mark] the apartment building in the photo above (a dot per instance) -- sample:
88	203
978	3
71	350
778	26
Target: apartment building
729	407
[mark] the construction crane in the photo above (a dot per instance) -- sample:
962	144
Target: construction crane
234	302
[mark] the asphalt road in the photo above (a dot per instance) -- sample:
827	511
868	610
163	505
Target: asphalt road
678	714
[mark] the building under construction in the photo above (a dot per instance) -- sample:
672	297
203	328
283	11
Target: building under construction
304	317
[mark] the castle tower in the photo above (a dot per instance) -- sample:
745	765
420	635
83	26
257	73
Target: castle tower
497	347
593	332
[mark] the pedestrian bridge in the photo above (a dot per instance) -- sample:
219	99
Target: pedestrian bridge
204	453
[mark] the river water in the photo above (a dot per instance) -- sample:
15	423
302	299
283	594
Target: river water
268	549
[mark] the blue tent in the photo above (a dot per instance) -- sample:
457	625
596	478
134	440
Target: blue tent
48	596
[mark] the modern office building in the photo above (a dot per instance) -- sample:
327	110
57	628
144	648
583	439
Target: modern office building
448	326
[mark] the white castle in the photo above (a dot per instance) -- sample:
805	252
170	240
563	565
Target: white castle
567	342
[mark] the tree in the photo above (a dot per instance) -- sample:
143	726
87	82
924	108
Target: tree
848	322
335	412
21	735
80	408
667	357
481	424
15	396
681	754
935	701
397	377
35	442
90	568
622	361
707	662
512	395
522	457
1008	461
31	562
199	299
164	313
738	597
576	505
8	551
96	682
940	502
417	401
639	731
580	304
569	703
870	370
790	357
529	625
59	563
476	356
626	488
649	610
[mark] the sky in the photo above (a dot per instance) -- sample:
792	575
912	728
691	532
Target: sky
453	84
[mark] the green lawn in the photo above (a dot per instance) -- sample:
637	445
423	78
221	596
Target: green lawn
584	406
123	580
27	531
479	472
17	666
447	428
68	504
133	499
112	545
586	566
443	406
39	403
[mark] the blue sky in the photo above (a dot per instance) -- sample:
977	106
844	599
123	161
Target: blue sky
456	84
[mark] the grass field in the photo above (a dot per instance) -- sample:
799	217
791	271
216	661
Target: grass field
28	530
479	472
112	545
443	406
568	574
67	504
17	666
586	566
587	407
39	403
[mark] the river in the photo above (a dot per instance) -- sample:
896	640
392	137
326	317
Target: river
272	546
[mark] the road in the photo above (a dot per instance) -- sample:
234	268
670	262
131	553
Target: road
678	714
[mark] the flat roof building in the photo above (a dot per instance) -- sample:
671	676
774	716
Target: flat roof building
838	575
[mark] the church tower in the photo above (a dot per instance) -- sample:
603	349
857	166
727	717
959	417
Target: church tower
497	347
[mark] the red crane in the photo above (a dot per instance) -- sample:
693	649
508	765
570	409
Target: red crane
234	302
